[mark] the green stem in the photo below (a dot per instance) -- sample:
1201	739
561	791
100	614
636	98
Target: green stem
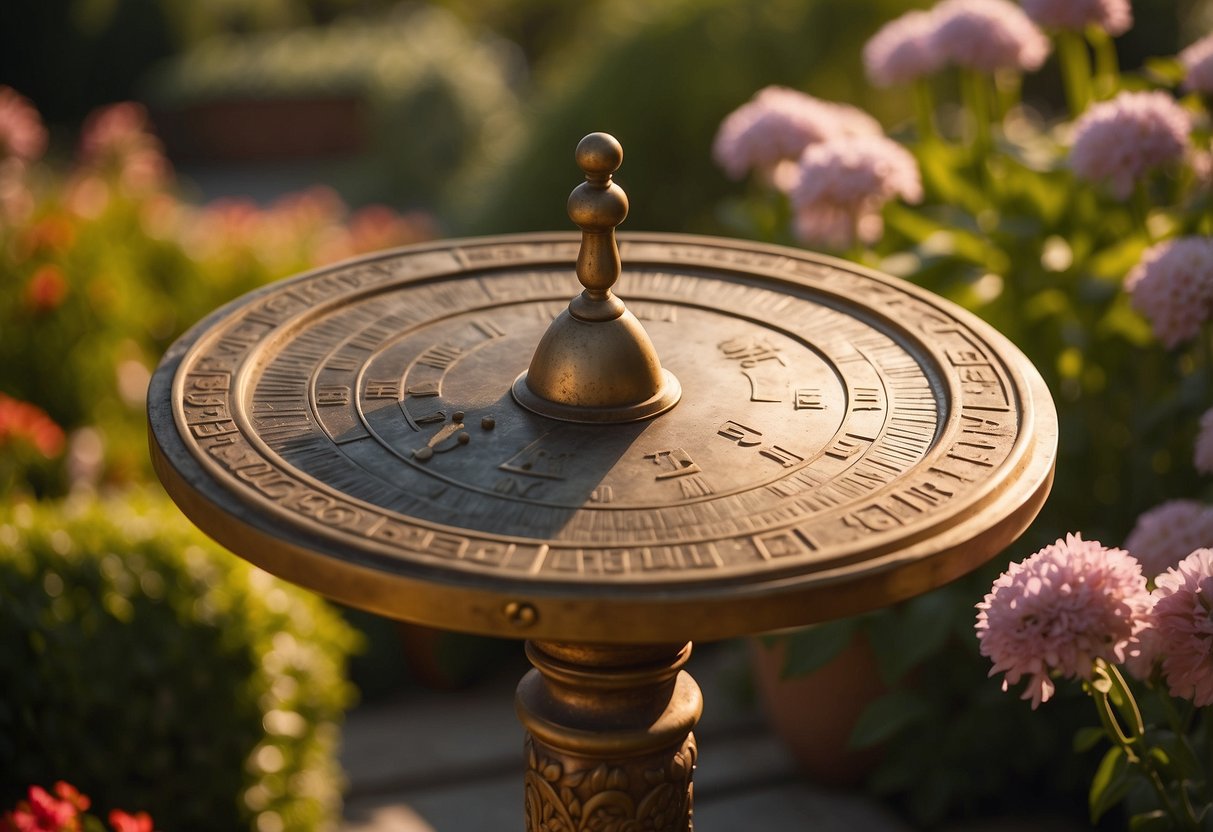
1075	70
975	92
1107	62
1130	741
924	110
1140	206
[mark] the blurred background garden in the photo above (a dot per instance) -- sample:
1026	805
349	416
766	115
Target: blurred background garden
159	158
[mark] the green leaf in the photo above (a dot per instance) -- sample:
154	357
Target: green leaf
904	637
1150	821
1087	738
1110	784
1168	70
886	716
815	646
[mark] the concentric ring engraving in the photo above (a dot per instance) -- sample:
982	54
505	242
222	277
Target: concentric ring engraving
833	421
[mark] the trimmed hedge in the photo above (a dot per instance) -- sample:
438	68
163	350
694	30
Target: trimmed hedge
150	668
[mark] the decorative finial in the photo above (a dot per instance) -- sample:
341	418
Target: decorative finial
596	363
597	205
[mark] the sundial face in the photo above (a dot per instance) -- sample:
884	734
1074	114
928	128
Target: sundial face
843	440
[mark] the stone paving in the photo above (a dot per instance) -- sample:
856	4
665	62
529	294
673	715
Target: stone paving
443	762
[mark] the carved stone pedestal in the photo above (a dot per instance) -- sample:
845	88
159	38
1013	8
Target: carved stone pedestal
609	743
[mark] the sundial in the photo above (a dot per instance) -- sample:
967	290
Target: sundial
480	435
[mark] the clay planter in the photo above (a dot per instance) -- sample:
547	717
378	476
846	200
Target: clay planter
814	714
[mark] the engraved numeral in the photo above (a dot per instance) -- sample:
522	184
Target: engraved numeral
676	461
784	544
423	390
440	357
809	398
331	395
781	455
744	436
866	398
602	494
379	389
847	446
750	351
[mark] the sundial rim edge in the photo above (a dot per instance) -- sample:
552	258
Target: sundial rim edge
486	595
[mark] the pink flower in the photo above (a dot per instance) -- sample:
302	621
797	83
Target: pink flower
1056	612
843	185
1182	627
903	50
988	35
1121	140
1113	16
1198	65
22	135
1203	457
118	139
1173	287
777	124
1165	534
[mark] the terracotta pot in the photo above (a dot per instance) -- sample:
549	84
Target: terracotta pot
814	714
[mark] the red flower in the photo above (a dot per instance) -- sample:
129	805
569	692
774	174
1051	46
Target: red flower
44	812
19	820
66	791
46	289
138	822
23	422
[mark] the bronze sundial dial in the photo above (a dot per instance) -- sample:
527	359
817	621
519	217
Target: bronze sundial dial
760	437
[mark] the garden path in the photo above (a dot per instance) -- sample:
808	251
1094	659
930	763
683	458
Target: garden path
451	762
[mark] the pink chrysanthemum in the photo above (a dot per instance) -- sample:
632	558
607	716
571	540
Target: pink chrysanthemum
22	135
843	185
988	35
1198	65
1120	141
902	50
1173	287
1113	16
1203	456
119	139
1164	535
1182	627
777	124
1056	612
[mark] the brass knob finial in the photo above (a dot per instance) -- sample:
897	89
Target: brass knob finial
596	363
597	205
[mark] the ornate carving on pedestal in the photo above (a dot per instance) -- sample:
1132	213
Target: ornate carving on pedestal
609	746
569	794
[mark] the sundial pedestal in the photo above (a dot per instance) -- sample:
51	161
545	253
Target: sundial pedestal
608	735
758	438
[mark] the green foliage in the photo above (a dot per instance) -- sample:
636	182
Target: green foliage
151	669
660	77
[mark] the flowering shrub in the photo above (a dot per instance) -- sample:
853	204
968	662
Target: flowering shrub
1087	238
64	811
1079	610
102	265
